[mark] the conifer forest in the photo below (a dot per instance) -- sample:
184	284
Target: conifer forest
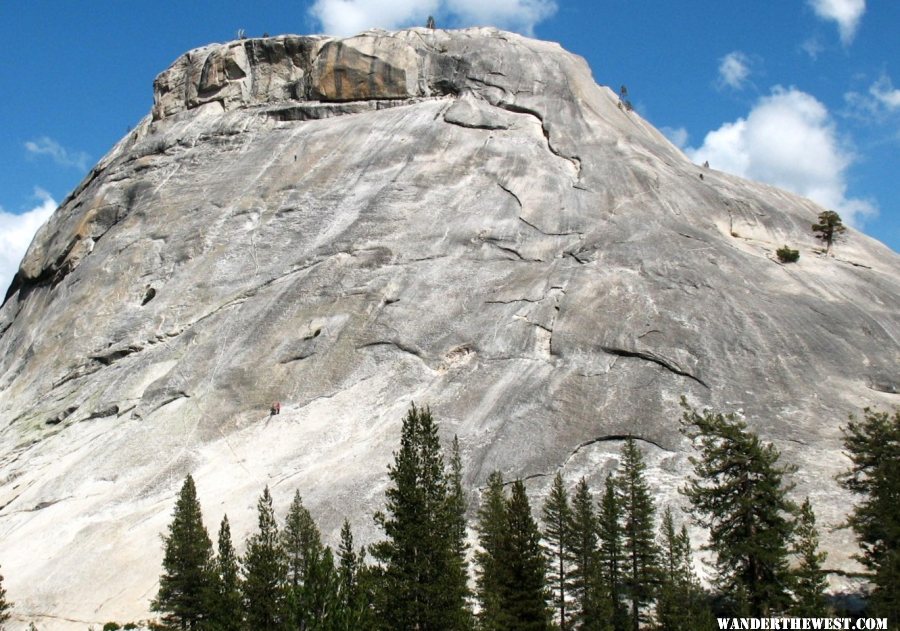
605	559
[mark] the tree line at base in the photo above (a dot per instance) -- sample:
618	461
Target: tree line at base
598	564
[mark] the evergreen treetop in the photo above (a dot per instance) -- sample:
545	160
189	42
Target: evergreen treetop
227	608
738	492
809	579
353	603
185	585
521	568
829	228
491	527
5	605
557	517
681	603
592	610
265	571
300	541
611	551
458	578
638	532
419	585
873	445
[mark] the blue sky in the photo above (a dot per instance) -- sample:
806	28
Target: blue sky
804	94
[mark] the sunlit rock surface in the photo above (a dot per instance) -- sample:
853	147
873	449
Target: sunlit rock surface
461	219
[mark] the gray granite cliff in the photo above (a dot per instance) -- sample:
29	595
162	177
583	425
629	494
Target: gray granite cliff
463	219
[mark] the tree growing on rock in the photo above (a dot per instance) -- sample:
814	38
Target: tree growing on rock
873	445
738	491
829	228
186	583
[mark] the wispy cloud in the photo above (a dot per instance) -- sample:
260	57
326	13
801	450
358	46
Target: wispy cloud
348	17
878	104
734	69
678	136
885	93
16	233
788	139
812	47
846	13
45	146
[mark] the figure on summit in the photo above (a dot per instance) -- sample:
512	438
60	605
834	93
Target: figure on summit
430	22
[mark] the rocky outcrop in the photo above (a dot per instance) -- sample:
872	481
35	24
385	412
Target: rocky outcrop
462	219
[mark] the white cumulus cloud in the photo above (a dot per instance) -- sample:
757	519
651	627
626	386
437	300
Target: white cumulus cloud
16	233
734	68
348	17
45	146
517	15
789	140
847	14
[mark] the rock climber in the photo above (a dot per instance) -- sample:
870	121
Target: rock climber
276	408
430	22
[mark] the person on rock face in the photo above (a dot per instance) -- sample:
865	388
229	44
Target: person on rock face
430	22
276	408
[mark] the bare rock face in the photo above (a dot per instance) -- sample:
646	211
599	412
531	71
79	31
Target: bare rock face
461	219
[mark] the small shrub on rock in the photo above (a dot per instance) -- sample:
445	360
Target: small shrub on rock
787	255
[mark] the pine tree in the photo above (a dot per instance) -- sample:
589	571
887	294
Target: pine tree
738	492
320	595
557	515
418	588
265	572
491	528
300	541
638	532
829	228
521	568
592	608
809	580
186	581
5	605
458	577
873	445
227	608
611	552
681	604
308	581
669	601
353	604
